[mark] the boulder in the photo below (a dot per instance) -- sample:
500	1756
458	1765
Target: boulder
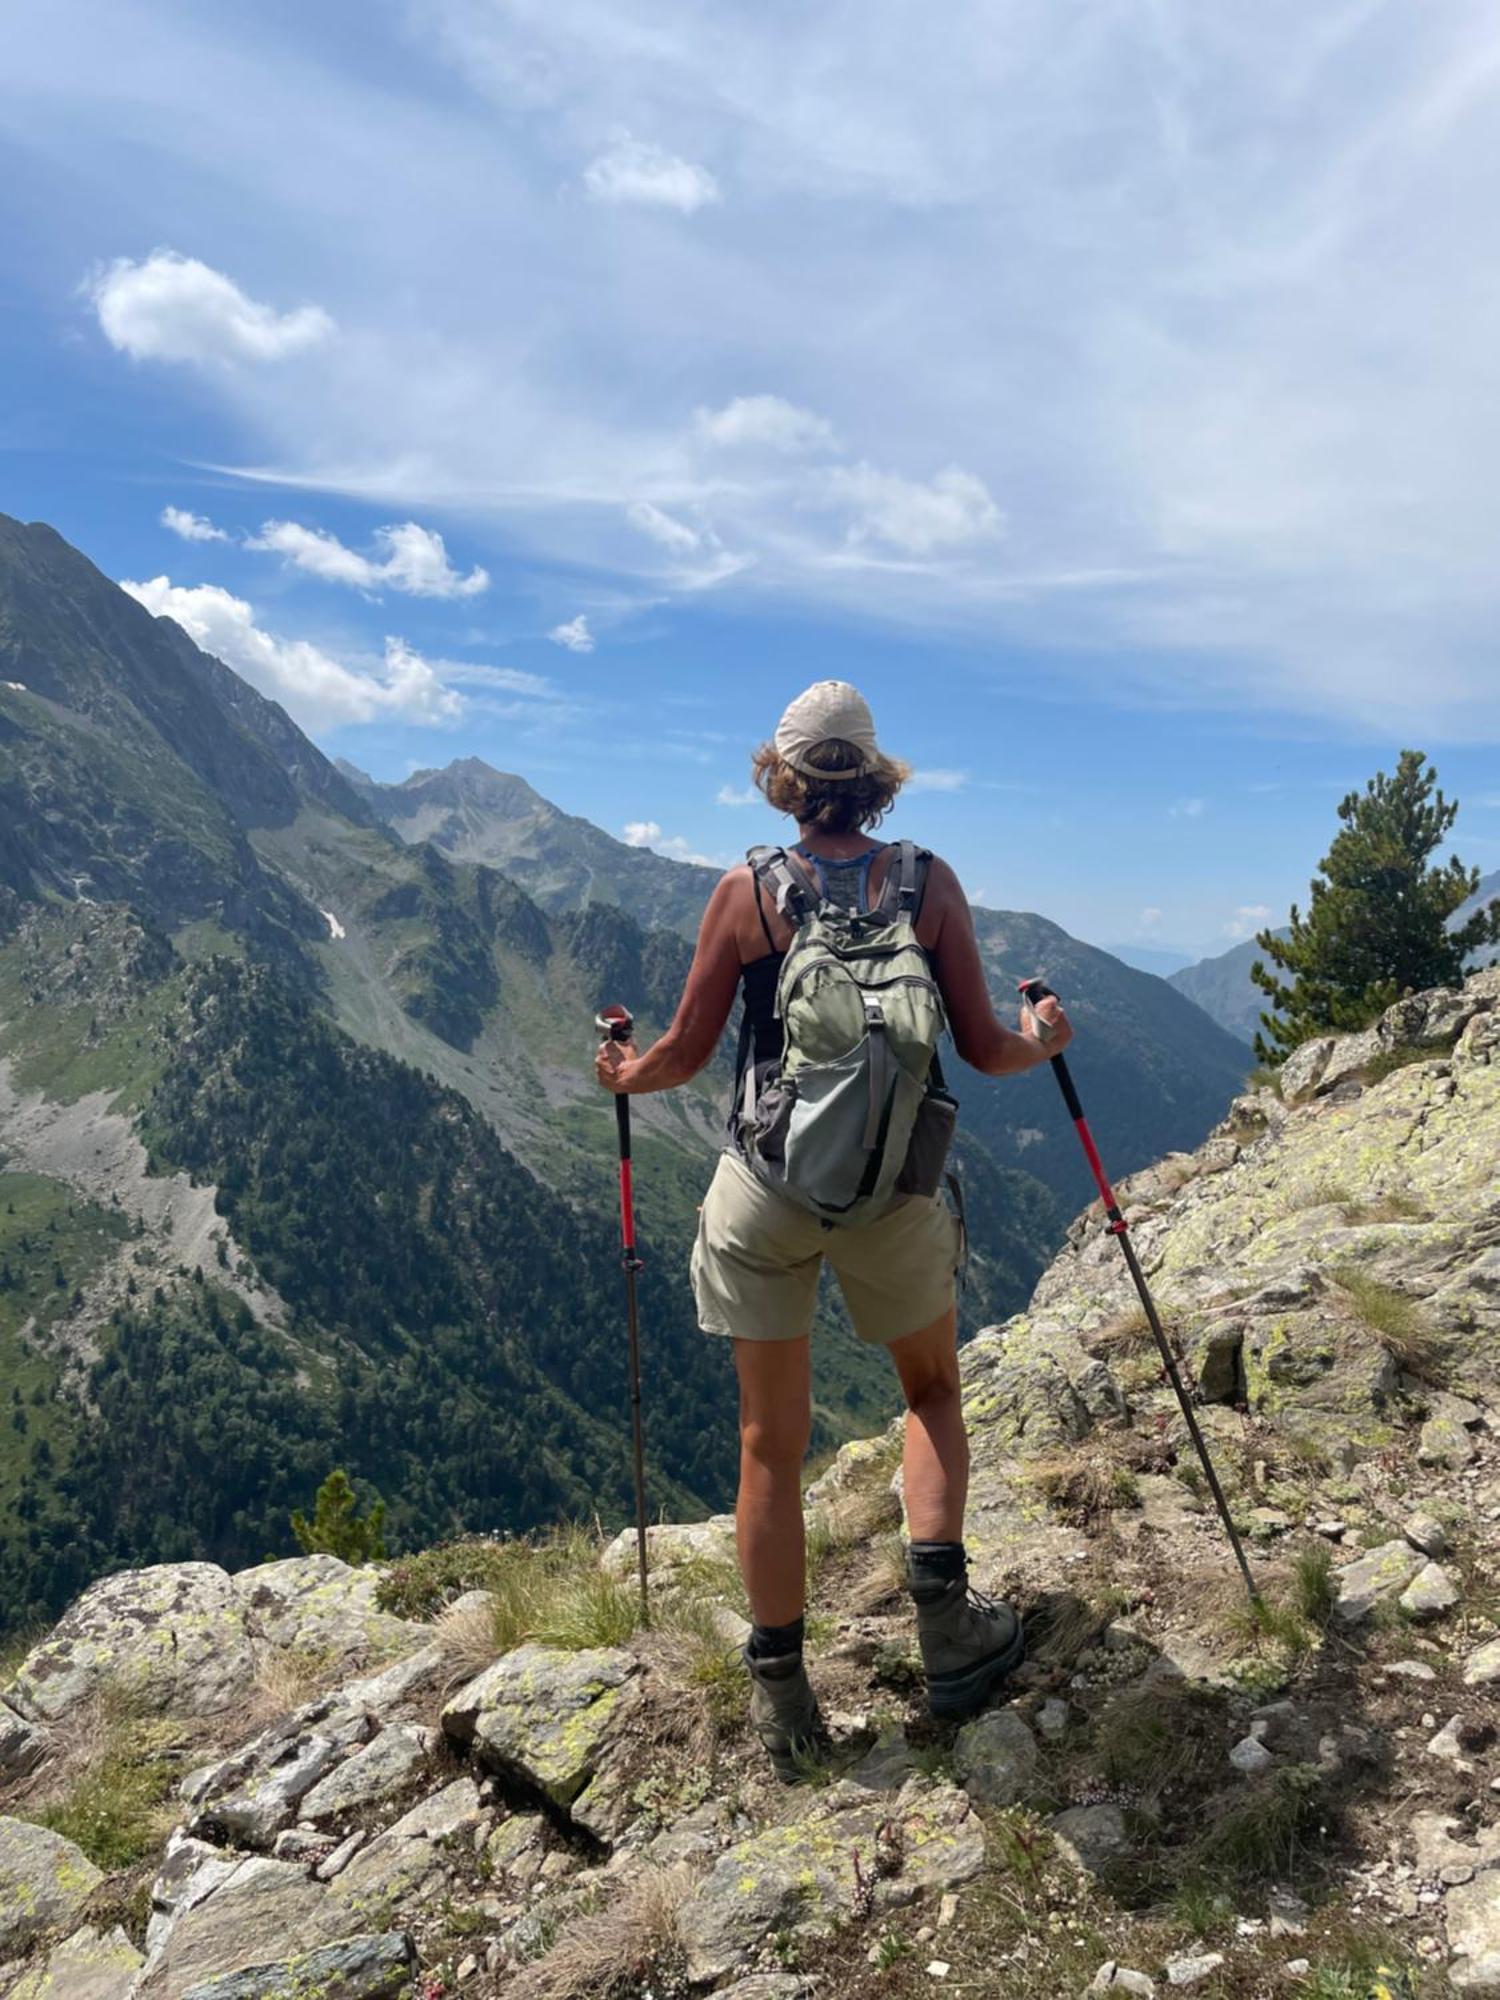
851	1851
1445	1442
253	1812
379	1966
407	1861
89	1965
1303	1069
1375	1578
1430	1593
1090	1837
1482	1668
317	1604
1350	1060
543	1715
381	1769
23	1744
995	1758
1427	1533
1472	1915
171	1638
669	1544
44	1883
1115	1978
258	1900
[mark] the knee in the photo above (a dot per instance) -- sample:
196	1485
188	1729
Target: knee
777	1444
935	1393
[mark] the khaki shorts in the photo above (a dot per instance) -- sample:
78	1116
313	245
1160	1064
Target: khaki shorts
757	1259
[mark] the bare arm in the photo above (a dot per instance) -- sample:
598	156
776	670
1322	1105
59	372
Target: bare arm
980	1037
702	1012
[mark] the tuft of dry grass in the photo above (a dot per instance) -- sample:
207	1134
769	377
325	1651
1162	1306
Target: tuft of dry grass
1127	1333
1396	1321
1081	1487
1170	1734
465	1633
285	1678
109	1786
616	1950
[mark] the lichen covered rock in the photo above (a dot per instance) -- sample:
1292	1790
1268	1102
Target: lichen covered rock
544	1714
852	1851
89	1965
44	1883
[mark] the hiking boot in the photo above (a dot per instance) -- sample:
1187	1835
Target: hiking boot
784	1714
969	1642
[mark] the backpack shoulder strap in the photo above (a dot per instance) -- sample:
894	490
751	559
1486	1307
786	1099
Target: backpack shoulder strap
788	886
905	880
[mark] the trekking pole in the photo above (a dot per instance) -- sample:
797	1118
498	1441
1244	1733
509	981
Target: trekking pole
616	1025
1033	991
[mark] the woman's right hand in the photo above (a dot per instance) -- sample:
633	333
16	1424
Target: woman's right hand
1051	1015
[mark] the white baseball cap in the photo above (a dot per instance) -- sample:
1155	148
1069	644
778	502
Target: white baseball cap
828	711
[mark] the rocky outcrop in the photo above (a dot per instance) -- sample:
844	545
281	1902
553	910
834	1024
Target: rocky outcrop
1329	1266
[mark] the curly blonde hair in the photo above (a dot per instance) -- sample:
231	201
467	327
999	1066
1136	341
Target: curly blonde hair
842	805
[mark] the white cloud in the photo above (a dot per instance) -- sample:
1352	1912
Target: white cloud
631	170
640	832
648	833
937	780
1187	809
172	308
662	527
1150	918
950	511
732	795
316	690
409	558
1247	919
767	421
191	527
574	634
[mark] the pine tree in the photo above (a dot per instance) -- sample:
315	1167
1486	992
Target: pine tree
336	1528
1377	923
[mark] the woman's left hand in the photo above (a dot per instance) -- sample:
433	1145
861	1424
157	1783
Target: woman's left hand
610	1065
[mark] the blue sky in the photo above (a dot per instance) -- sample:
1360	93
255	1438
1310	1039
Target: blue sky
1112	391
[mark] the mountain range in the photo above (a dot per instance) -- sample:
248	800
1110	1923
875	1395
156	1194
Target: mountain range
301	1160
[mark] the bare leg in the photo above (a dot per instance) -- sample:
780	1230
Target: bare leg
775	1422
935	1463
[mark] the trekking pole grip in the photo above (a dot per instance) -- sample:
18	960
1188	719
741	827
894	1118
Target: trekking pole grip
1034	991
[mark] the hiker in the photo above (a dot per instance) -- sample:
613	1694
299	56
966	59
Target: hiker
838	1134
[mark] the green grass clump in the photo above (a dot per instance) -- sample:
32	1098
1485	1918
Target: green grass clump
1314	1590
1263	1830
1166	1736
117	1810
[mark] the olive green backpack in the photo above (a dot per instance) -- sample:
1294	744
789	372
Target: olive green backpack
854	1111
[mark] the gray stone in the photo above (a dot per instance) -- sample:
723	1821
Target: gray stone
767	1986
338	1859
1482	1668
317	1604
89	1965
1350	1060
995	1758
1375	1578
1430	1593
516	1848
227	1931
1410	1670
1426	1533
1303	1069
23	1744
1193	1968
252	1814
374	1773
821	1868
670	1544
1471	1913
44	1882
1114	1978
545	1714
1052	1718
407	1861
887	1764
1448	1745
375	1967
1217	1362
1251	1755
1445	1442
1090	1837
1287	1913
171	1639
